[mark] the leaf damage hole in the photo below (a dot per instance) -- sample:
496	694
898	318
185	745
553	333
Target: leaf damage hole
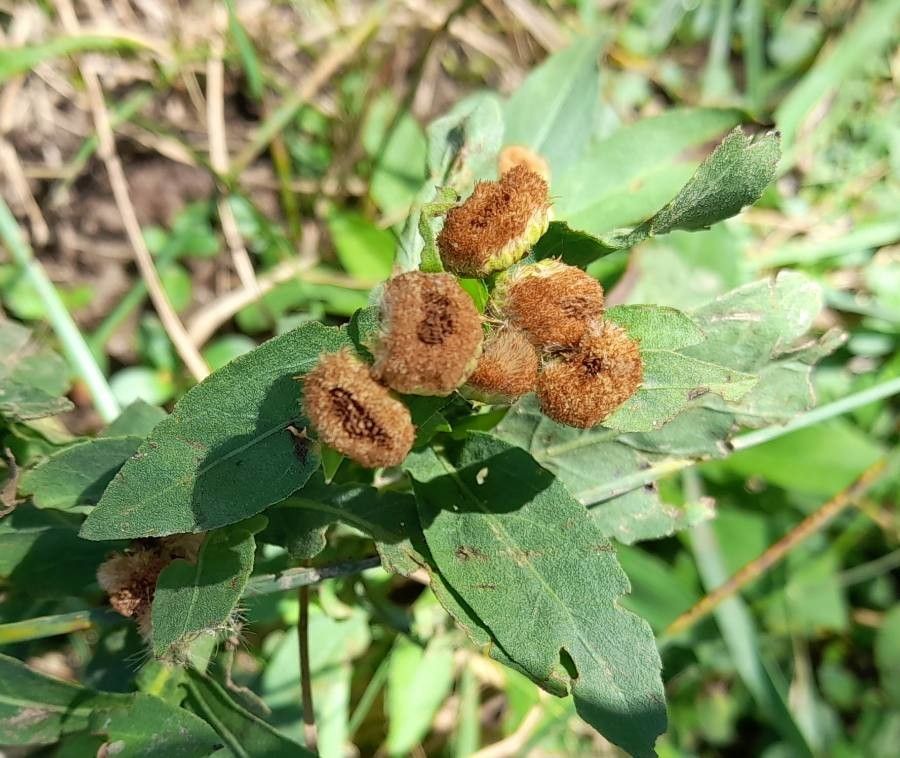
568	663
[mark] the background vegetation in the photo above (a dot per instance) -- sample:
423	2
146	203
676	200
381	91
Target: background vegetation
271	149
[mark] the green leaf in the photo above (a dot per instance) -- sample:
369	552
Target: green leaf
244	734
756	329
147	727
137	420
463	145
225	452
419	679
32	378
42	555
299	523
625	177
399	156
572	246
656	327
514	544
364	250
553	112
192	598
38	710
734	176
887	654
598	460
79	474
671	382
18	60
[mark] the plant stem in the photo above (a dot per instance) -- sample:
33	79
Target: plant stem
758	566
73	343
750	439
309	716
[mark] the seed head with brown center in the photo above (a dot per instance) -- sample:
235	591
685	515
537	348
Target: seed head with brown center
508	368
585	385
354	414
497	224
431	334
550	301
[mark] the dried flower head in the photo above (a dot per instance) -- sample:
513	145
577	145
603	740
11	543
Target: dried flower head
354	414
497	224
550	301
583	386
431	334
508	368
129	578
519	155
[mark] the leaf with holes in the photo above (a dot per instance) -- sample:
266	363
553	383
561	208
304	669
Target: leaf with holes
523	554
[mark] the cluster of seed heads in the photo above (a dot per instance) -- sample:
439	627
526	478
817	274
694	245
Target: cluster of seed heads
545	331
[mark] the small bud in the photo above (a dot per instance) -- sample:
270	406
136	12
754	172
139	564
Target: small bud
497	225
550	301
507	370
584	386
354	414
519	155
431	334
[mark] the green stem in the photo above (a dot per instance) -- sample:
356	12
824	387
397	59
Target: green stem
742	442
752	30
73	343
51	626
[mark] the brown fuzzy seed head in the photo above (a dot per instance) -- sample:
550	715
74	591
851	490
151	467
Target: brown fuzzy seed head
354	414
497	224
130	579
507	370
431	334
584	386
551	302
519	155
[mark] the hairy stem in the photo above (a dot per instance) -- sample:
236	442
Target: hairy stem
309	716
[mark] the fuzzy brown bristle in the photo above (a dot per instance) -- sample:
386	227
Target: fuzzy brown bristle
584	386
519	155
497	224
354	414
431	334
551	302
130	578
508	368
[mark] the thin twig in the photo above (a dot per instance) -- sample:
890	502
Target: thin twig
218	158
758	566
119	184
70	337
309	716
204	323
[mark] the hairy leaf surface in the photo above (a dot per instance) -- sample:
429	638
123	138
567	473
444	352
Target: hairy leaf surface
528	560
229	449
196	597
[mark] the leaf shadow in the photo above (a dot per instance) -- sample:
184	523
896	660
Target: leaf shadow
245	474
